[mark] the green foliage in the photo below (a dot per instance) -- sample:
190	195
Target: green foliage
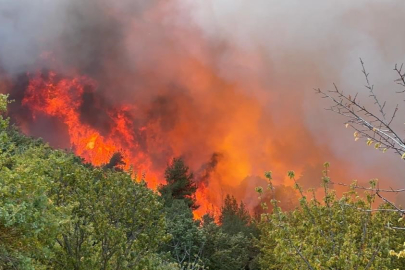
58	213
179	184
3	103
230	245
235	218
28	219
335	233
207	245
116	223
224	251
187	239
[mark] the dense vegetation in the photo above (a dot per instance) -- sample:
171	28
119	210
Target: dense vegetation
334	233
57	212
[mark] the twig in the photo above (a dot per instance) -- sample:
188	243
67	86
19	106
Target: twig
371	89
370	189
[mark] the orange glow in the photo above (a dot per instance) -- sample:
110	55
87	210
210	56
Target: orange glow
205	205
223	121
62	99
159	89
156	80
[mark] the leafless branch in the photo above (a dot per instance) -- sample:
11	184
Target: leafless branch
397	228
401	80
377	130
370	189
400	211
378	191
370	87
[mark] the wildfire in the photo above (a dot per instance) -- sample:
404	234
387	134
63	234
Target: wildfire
62	98
153	81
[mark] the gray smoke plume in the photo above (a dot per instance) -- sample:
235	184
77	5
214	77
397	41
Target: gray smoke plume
199	67
311	44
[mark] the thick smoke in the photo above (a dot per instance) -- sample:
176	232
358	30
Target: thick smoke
227	84
305	45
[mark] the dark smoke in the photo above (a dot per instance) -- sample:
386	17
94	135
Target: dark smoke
212	77
93	110
206	170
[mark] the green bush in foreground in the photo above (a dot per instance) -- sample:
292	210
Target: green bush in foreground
329	234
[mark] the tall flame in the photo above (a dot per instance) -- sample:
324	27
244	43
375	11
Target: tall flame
62	99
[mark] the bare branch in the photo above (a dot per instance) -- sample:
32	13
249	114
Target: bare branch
397	228
370	87
376	130
401	80
364	122
400	211
370	189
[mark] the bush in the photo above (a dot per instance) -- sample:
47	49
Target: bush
329	234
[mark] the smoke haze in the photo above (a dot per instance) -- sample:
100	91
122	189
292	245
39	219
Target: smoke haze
227	84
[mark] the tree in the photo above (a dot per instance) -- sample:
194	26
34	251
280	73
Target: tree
229	245
374	125
224	251
58	213
286	195
235	218
187	241
179	184
335	233
29	221
116	223
116	162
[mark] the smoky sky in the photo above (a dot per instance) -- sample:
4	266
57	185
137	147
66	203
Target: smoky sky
311	44
277	52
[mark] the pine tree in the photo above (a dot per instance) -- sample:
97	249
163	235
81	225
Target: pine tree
179	184
234	218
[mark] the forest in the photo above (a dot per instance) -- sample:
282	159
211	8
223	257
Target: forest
187	135
59	212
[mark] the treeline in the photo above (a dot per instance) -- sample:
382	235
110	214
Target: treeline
58	212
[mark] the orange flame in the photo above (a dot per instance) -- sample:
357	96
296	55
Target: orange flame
219	118
62	99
